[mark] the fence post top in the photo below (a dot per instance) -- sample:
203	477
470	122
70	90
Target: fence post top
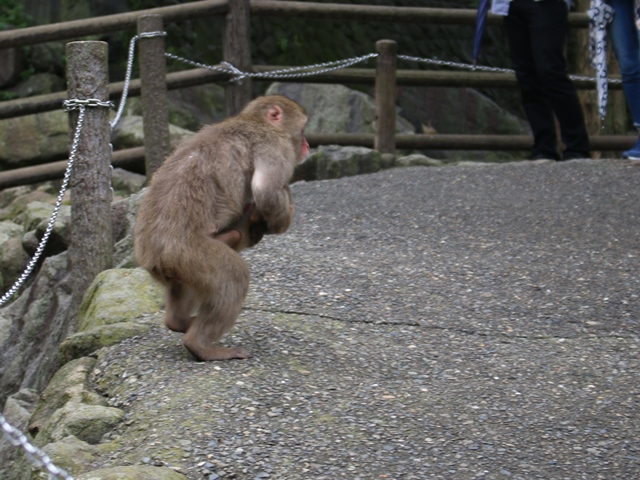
386	45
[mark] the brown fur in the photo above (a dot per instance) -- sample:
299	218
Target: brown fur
217	194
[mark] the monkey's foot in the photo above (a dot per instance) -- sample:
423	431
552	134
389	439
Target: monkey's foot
211	353
178	324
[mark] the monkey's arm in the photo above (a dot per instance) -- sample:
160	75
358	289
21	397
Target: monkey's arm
271	194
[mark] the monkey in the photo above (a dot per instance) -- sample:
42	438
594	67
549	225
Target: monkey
245	232
217	194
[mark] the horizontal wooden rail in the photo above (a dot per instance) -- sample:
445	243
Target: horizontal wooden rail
201	76
108	23
128	159
133	158
186	11
371	13
598	143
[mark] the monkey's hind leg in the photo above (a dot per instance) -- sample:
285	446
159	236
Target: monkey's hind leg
182	303
218	314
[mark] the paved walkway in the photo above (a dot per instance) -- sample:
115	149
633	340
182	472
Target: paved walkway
424	323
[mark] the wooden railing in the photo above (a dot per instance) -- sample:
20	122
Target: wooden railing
236	45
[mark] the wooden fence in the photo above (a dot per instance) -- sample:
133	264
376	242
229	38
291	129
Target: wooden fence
236	48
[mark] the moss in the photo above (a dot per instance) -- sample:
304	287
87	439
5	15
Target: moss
85	343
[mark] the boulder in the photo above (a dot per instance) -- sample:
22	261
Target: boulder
13	258
36	323
133	473
70	384
72	454
335	162
129	133
123	248
39	84
335	108
33	139
17	410
85	343
189	108
119	295
86	422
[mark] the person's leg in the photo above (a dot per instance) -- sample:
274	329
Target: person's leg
549	26
534	101
624	38
626	45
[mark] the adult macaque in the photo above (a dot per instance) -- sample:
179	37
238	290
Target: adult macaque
218	193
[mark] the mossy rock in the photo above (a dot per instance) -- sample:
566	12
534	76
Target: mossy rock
82	344
69	384
117	296
133	473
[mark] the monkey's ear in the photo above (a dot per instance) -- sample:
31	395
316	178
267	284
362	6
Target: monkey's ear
274	114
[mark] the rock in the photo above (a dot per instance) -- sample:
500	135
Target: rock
14	201
72	454
189	108
11	65
119	295
86	422
17	410
336	162
335	108
37	323
70	384
125	182
123	248
119	225
34	213
10	230
133	473
39	84
13	258
84	343
128	133
417	160
48	57
457	110
33	139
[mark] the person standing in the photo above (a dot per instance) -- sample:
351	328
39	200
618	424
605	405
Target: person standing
623	31
536	32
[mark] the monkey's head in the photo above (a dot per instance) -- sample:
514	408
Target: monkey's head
284	114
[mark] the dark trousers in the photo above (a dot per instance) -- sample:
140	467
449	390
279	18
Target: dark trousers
537	31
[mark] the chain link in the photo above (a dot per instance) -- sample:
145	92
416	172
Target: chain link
34	454
15	436
69	105
482	68
127	78
292	72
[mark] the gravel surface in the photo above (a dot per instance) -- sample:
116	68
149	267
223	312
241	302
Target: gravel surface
418	323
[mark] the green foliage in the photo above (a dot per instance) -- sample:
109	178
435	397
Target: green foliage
12	15
7	95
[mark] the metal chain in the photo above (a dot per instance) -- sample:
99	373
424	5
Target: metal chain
127	78
15	436
69	105
292	72
482	68
34	454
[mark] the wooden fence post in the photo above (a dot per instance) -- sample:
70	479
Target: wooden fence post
237	51
155	110
91	249
385	91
